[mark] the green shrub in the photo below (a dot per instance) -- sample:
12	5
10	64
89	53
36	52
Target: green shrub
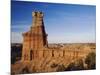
91	60
77	65
60	68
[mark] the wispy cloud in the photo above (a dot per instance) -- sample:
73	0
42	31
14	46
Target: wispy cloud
20	28
16	32
16	37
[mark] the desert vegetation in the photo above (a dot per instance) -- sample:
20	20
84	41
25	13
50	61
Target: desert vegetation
91	60
87	64
47	64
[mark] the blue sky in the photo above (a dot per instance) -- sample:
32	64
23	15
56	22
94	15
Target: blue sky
64	23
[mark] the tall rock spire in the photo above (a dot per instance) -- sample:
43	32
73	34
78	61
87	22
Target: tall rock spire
37	23
37	19
36	38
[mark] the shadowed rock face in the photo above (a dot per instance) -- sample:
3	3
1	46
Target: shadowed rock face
16	51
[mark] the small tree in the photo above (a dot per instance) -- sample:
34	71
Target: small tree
60	68
91	60
70	67
77	65
80	64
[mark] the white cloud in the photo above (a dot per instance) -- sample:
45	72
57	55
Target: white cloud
20	28
16	32
16	37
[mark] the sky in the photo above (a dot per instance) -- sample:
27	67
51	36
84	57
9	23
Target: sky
64	23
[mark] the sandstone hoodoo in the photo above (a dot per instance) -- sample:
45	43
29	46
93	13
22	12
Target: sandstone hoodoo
40	56
35	39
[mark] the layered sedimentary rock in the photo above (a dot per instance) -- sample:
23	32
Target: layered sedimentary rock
35	39
40	57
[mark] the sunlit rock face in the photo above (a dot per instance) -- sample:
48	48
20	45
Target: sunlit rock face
35	39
